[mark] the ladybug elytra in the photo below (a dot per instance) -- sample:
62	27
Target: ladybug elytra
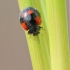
30	20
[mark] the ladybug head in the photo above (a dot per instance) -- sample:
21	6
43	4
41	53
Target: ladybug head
34	30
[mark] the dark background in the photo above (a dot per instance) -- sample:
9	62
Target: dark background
14	54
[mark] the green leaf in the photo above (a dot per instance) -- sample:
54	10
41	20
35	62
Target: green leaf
58	34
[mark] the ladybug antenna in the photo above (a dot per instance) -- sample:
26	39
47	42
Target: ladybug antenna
43	29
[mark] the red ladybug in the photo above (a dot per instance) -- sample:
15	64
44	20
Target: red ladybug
30	20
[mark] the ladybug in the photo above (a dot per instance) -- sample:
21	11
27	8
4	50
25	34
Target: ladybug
30	20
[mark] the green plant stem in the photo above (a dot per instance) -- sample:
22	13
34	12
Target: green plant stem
58	34
43	37
37	49
35	53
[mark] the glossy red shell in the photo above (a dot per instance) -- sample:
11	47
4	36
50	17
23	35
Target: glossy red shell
24	26
38	20
30	11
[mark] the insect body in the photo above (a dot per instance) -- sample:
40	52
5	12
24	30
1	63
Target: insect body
30	20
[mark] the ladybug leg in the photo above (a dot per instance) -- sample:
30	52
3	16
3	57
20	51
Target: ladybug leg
43	29
35	34
30	32
40	27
